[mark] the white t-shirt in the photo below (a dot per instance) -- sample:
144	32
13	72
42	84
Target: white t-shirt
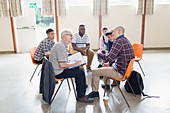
80	41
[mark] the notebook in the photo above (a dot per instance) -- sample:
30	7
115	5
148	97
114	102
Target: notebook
75	57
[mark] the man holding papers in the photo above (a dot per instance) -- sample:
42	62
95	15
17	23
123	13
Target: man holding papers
63	69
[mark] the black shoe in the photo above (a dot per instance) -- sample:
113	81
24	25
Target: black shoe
85	99
101	77
93	94
114	83
107	87
99	65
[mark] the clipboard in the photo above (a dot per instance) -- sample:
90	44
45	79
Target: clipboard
75	57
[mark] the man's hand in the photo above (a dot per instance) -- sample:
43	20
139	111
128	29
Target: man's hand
78	62
105	64
83	52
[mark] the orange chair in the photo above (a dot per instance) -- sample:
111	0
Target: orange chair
32	51
138	49
62	79
127	74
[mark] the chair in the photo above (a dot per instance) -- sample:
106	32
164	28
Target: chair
32	51
138	49
127	74
62	79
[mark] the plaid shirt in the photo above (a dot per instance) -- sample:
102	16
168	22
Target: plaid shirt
120	54
43	49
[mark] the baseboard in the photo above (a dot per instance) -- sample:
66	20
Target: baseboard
157	48
6	52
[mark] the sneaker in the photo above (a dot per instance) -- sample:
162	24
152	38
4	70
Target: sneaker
85	99
107	87
114	83
93	94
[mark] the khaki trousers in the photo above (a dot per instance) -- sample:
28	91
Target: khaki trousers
105	72
89	55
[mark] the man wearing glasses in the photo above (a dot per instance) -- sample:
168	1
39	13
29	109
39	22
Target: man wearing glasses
59	60
81	43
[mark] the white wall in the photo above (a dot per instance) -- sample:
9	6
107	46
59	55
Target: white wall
126	17
81	15
157	27
157	31
6	41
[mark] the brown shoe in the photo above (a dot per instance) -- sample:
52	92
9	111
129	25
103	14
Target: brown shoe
85	99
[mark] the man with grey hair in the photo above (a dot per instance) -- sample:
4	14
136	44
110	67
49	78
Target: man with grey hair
59	60
119	57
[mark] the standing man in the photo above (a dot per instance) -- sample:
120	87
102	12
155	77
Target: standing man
44	47
81	43
59	60
120	55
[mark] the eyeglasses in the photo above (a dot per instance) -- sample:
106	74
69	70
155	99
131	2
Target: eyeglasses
69	35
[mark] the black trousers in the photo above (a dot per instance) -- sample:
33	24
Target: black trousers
79	76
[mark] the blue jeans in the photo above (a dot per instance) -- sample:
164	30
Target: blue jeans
79	76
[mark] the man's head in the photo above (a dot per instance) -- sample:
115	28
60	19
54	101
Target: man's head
110	36
50	34
117	31
81	29
67	36
104	30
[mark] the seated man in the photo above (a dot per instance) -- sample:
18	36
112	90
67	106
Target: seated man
79	41
105	44
44	47
59	60
121	53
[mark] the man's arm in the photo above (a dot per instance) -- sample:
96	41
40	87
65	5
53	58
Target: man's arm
116	48
67	65
78	49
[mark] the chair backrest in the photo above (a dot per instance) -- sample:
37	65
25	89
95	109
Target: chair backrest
32	51
69	47
129	69
138	49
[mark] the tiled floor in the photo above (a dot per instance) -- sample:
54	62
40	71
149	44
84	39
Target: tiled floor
18	95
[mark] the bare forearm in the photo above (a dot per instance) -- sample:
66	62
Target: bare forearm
66	65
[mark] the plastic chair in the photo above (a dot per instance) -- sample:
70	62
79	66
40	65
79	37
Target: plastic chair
127	74
62	79
32	51
138	49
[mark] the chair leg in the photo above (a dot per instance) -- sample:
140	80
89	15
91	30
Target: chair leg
56	92
73	87
34	73
105	87
68	84
123	95
131	88
141	68
39	72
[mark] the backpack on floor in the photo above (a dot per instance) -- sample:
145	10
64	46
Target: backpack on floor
137	85
136	82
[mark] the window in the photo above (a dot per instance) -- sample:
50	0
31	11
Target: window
162	1
122	2
79	2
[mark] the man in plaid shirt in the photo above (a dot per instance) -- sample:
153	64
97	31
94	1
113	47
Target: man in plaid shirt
119	56
44	47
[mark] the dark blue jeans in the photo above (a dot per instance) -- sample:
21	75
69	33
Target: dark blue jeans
80	79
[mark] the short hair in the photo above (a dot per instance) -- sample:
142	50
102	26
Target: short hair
122	30
105	28
49	30
109	33
82	25
64	32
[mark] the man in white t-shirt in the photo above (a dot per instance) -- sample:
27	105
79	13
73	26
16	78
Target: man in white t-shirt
81	43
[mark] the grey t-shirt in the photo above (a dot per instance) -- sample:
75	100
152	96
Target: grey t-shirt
58	54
